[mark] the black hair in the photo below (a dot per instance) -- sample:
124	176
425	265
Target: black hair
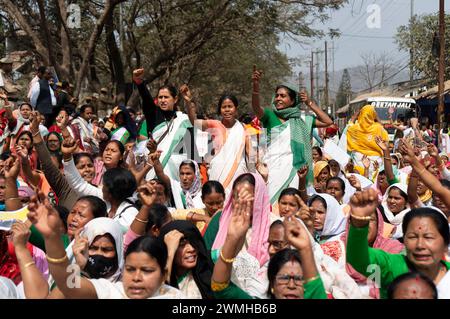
202	272
65	84
98	206
289	191
25	133
154	247
246	118
224	97
212	187
25	103
42	69
244	178
438	218
188	163
445	183
173	92
292	94
277	262
5	155
120	183
408	276
315	198
78	156
166	189
318	149
157	216
84	107
339	180
119	144
276	223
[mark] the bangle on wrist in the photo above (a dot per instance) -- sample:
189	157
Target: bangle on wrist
361	218
141	220
387	158
35	133
312	279
57	260
226	260
219	286
31	263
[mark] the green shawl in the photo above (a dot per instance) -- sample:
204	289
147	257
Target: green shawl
300	135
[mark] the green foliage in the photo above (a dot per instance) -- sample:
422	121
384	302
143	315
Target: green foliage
344	93
421	32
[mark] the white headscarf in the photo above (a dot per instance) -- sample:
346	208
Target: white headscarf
101	226
335	221
196	186
398	218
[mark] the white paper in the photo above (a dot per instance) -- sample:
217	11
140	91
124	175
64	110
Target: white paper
336	153
201	141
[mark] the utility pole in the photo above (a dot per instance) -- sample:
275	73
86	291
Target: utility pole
311	74
326	101
441	64
411	50
317	78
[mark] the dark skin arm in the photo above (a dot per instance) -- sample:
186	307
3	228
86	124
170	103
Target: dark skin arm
256	106
428	179
387	158
11	172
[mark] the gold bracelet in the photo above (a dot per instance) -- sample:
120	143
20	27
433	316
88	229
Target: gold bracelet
312	279
387	158
29	264
225	260
141	220
219	286
56	260
362	218
302	190
35	134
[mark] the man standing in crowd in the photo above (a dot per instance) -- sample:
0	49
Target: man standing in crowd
42	96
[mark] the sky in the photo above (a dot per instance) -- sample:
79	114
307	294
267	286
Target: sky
357	37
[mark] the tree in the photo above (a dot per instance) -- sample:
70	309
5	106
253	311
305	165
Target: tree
171	39
421	32
376	69
344	93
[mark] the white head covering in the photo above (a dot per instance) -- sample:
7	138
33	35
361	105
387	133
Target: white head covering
8	289
101	226
335	221
397	219
196	186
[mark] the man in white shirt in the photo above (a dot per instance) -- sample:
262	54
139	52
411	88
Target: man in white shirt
43	98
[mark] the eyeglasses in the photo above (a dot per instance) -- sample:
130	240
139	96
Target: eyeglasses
285	279
278	244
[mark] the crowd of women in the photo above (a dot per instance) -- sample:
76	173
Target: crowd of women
122	211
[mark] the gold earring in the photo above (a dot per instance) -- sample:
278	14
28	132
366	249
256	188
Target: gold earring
271	290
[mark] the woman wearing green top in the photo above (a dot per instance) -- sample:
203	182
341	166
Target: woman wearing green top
288	135
426	238
292	273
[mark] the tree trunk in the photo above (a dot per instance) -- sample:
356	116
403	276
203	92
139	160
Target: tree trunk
14	12
116	60
110	5
44	26
67	68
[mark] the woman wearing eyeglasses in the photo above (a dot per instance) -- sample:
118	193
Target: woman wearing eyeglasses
292	273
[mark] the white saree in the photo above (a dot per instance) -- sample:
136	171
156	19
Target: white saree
229	162
170	136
